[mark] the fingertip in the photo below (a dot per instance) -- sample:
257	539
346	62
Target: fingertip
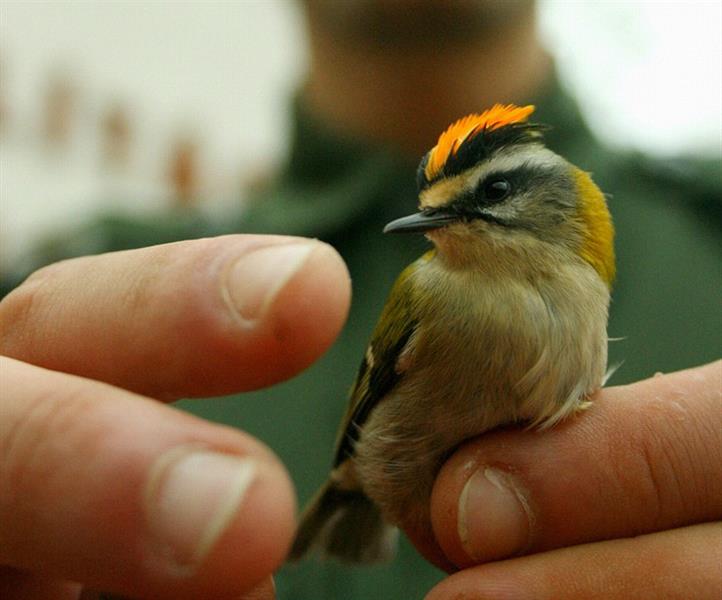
480	512
512	492
444	506
256	540
142	500
197	318
288	300
266	590
426	544
312	308
218	526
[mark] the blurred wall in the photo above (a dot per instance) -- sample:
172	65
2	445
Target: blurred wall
129	105
197	92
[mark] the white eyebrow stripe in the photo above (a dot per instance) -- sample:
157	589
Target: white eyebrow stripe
531	156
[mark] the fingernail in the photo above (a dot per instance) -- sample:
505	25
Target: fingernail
254	280
192	496
493	517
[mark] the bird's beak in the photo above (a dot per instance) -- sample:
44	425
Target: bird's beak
421	221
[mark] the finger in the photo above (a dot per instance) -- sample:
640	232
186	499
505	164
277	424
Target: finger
675	565
645	457
423	540
18	585
130	496
197	318
266	590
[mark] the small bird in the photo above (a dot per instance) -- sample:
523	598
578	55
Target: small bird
504	321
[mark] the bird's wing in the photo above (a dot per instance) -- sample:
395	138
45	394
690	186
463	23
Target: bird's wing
380	368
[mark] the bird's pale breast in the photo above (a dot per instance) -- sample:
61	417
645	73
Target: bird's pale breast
490	349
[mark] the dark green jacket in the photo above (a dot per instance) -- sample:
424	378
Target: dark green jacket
666	301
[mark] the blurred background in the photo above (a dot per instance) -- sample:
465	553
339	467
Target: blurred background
136	107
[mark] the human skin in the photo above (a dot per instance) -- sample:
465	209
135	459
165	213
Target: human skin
103	485
373	76
620	500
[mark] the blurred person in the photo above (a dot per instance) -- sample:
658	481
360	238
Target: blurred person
384	80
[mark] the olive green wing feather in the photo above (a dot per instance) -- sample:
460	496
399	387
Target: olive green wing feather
378	373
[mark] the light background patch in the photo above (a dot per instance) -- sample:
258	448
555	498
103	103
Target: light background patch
648	74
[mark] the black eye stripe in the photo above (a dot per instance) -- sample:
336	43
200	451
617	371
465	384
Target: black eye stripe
519	178
522	178
496	190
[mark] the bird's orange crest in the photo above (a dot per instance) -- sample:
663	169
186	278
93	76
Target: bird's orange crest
468	127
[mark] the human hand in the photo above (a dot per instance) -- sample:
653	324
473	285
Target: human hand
620	502
101	485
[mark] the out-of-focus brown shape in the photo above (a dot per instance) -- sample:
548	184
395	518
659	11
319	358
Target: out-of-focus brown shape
60	101
116	134
183	171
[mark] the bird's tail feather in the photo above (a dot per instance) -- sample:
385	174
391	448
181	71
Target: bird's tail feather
346	525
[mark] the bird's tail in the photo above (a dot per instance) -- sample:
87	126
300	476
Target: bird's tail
344	524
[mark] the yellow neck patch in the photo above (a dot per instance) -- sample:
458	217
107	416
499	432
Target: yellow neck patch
467	127
598	244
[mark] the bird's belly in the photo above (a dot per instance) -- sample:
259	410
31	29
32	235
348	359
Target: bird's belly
472	371
460	384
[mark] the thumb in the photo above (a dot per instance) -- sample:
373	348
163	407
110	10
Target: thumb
645	457
125	494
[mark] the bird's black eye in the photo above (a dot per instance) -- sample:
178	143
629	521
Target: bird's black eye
496	190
